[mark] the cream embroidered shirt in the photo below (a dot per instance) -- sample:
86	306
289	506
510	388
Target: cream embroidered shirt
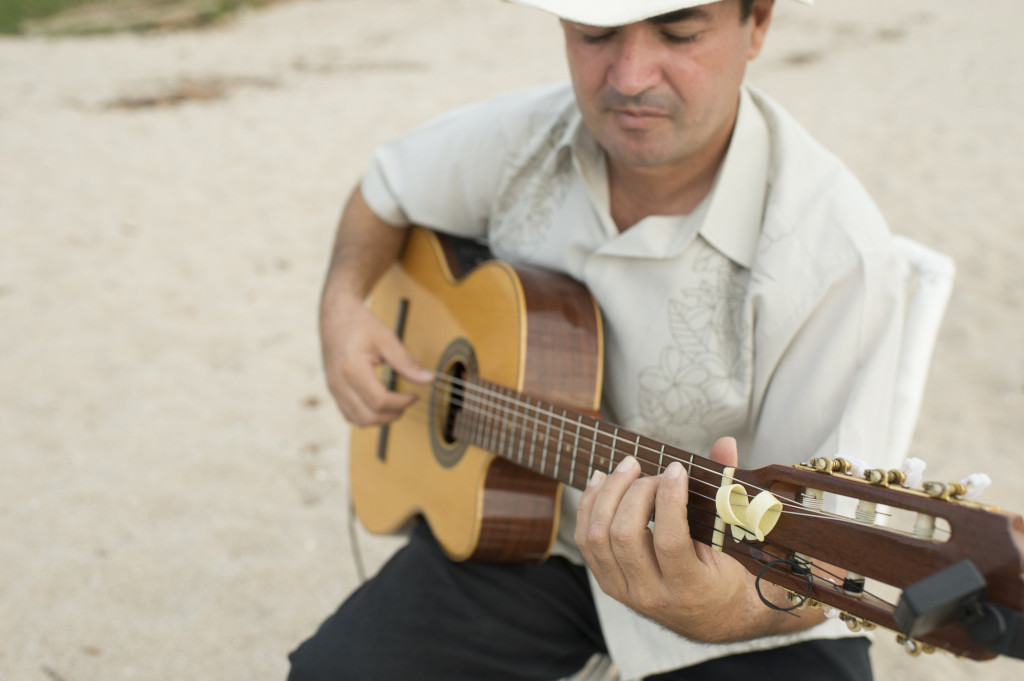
772	312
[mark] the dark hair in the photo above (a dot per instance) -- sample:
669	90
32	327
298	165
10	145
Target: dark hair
746	7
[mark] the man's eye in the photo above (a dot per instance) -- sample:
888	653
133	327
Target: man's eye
681	39
594	38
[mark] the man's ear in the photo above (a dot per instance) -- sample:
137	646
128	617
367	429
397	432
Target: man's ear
760	19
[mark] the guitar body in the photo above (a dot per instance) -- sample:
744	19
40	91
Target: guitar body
526	329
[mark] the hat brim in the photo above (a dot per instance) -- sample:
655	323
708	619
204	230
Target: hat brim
612	12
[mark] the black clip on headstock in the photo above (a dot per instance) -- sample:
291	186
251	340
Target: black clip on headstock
959	593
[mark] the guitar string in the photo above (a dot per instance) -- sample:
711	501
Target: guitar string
795	508
835	581
694	511
802	509
828	577
506	399
553	415
424	410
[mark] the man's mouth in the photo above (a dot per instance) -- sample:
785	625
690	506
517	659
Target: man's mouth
638	118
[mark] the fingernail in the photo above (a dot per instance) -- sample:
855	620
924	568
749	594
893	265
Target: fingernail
674	470
627	465
596	479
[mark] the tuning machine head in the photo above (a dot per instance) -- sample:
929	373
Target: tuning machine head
968	489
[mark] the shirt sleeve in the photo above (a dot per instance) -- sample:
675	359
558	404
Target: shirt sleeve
444	175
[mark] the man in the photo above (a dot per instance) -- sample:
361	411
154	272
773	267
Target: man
748	286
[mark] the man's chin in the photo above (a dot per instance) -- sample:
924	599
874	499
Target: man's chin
648	156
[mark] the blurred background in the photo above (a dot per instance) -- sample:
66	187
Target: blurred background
173	488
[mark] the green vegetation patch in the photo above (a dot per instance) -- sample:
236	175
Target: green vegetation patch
83	17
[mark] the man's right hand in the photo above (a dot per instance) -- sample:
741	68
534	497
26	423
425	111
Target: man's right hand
354	344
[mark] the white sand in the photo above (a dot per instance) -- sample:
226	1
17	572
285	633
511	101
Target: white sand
173	487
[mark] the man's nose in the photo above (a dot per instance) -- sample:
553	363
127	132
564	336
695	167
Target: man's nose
635	67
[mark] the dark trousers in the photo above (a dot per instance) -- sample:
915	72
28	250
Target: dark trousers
425	617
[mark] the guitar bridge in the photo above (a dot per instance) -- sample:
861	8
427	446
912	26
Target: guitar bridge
392	376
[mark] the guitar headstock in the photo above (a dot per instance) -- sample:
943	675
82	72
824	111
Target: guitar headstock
920	558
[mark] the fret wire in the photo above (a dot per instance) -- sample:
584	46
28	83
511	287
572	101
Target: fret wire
593	450
497	431
611	452
502	432
492	405
561	436
496	421
609	449
533	442
547	444
512	425
645	454
481	418
522	433
575	450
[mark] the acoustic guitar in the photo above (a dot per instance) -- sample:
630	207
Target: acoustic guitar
512	415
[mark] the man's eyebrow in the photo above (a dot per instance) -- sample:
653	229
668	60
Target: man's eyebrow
687	14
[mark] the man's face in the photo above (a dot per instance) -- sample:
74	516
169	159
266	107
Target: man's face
661	91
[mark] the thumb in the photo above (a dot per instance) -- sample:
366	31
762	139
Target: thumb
724	451
396	356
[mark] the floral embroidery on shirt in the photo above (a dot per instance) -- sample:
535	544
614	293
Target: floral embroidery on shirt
701	381
538	179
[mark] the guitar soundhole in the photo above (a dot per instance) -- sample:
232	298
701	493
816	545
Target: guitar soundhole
457	362
458	372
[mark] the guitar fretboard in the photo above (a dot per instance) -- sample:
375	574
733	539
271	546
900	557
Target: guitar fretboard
555	442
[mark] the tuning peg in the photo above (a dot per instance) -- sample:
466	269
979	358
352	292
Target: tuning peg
975	485
969	488
839	465
913	646
854	623
823	464
887	478
944	490
857	467
913	469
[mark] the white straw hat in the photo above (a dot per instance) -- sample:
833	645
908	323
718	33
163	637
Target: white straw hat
614	12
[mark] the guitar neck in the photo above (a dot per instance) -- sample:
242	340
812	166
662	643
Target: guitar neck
559	443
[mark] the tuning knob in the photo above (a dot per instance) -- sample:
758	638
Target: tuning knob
913	646
975	485
913	470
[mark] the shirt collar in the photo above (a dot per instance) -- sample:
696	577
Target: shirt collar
733	221
735	205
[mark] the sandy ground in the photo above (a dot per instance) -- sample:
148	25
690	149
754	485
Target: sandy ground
173	488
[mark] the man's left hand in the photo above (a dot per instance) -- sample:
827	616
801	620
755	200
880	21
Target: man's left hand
664	574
